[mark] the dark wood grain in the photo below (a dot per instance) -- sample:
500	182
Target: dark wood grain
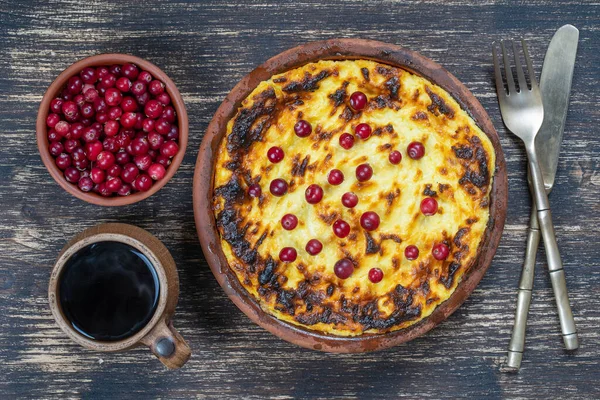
206	47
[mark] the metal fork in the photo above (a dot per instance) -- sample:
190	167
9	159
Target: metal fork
523	113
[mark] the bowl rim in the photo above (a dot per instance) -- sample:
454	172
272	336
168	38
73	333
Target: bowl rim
58	84
338	49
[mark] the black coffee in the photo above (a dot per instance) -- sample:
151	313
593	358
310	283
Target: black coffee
108	291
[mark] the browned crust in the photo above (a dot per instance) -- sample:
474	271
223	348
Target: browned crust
205	221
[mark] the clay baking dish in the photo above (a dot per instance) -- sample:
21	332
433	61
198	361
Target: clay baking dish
339	49
56	87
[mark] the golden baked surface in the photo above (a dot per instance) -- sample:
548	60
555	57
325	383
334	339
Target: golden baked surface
456	170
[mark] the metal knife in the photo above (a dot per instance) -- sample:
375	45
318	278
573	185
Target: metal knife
555	85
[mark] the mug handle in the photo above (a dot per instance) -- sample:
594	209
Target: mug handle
167	345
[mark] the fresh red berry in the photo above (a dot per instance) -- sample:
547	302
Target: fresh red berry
128	104
153	109
145	76
129	173
346	141
52	120
375	275
440	251
411	252
74	85
56	148
88	75
363	131
369	220
169	149
335	177
429	206
98	175
415	150
254	190
56	105
130	71
358	101
143	161
313	247
156	87
164	98
302	128
313	194
85	184
395	157
113	184
275	154
72	174
123	84
129	119
278	187
156	171
289	222
341	228
111	128
349	200
364	172
105	160
143	183
63	161
288	254
343	268
162	126
93	149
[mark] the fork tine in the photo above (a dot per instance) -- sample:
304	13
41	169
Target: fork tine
534	84
520	74
507	71
499	82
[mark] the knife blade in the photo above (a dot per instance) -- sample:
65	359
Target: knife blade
555	85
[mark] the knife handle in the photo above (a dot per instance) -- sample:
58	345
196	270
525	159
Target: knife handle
555	266
517	340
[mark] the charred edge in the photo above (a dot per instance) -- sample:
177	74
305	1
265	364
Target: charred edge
268	273
228	221
459	235
330	289
393	85
244	131
281	79
419	116
479	178
438	105
326	317
391	196
365	73
448	279
339	96
372	247
308	84
391	236
442	187
328	219
429	192
368	315
299	169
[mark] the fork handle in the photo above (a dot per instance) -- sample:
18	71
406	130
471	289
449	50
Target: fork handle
517	340
555	266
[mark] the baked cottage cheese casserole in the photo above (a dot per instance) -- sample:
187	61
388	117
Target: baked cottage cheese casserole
351	196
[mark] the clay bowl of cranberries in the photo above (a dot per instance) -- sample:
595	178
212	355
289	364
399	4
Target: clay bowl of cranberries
343	49
112	129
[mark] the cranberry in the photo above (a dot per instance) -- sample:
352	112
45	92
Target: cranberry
98	175
128	104
53	136
411	252
156	140
341	228
101	118
288	254
153	109
343	268
114	113
91	134
81	165
111	128
335	177
142	183
123	84
113	97
415	150
363	131
139	121
122	157
302	128
88	75
278	187
102	190
395	157
100	105
56	105
110	144
52	120
138	88
313	194
148	125
113	184
275	154
314	247
105	159
254	190
142	99
63	161
346	141
115	69
375	275
440	251
129	173
56	148
289	222
62	127
87	110
358	101
429	206
79	100
162	126
101	72
156	171
139	146
93	149
108	81
173	133
124	190
78	154
164	98
85	184
143	162
74	85
349	200
129	119
364	172
169	149
70	145
369	221
130	71
156	87
70	110
77	129
168	113
114	170
145	76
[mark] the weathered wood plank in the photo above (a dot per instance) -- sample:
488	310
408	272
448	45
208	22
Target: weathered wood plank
206	47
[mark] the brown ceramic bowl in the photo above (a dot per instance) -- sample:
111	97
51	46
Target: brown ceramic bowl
339	49
56	87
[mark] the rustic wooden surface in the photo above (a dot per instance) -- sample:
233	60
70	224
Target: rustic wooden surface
206	47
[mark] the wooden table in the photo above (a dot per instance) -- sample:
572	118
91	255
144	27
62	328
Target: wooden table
206	47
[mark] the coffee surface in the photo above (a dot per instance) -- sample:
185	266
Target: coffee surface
108	291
